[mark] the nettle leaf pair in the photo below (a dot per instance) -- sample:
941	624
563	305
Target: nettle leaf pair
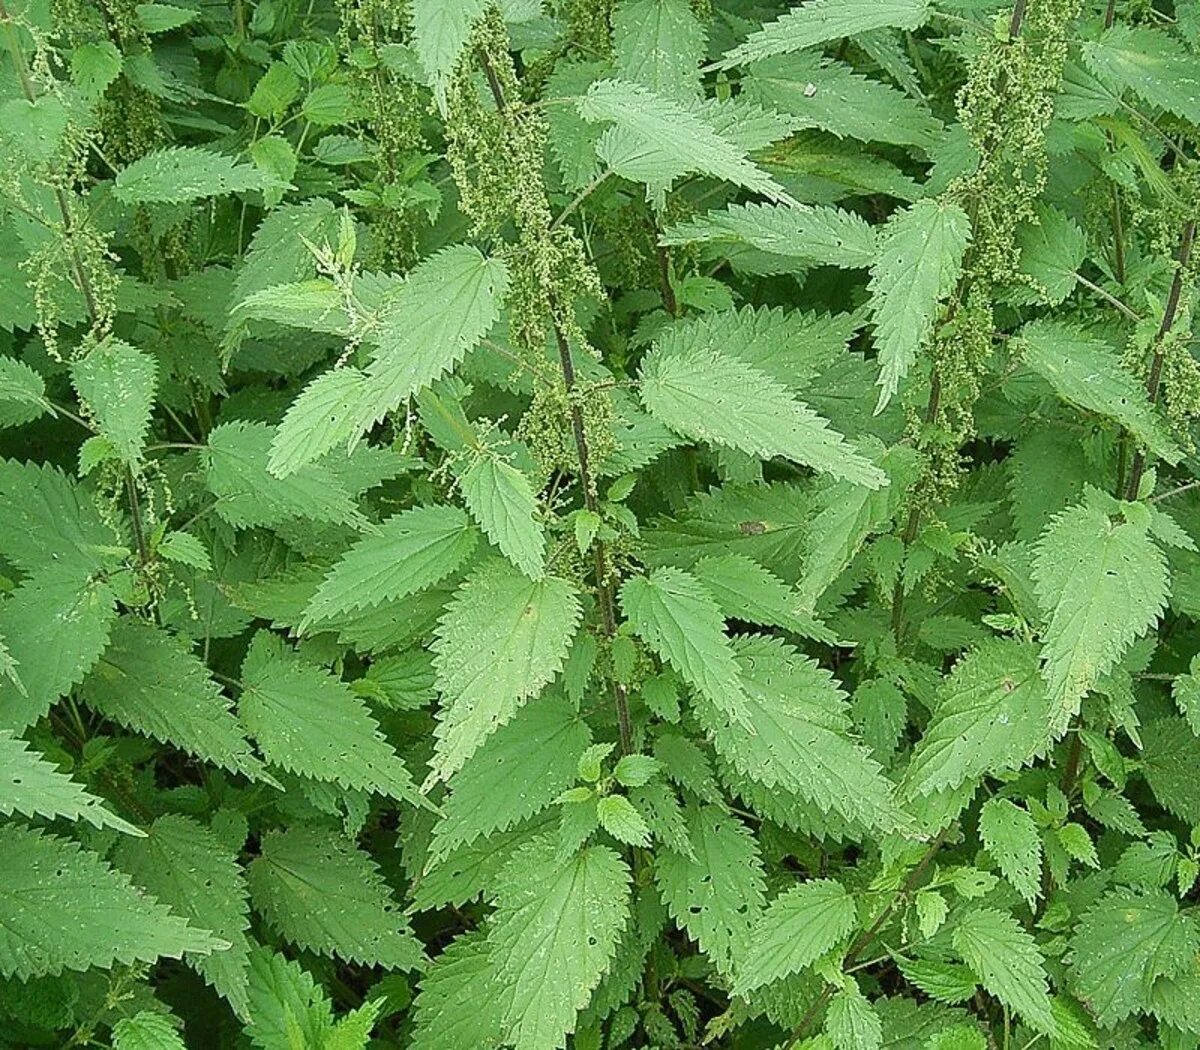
544	525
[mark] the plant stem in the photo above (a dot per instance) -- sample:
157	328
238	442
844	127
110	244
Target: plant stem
605	598
1154	379
77	267
1107	296
868	936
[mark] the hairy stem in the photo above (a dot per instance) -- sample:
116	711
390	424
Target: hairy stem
1154	379
605	598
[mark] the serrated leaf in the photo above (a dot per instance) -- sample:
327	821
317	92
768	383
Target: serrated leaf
55	625
800	738
502	639
678	618
1101	581
821	21
810	235
22	393
942	982
1010	835
501	499
519	770
64	908
441	29
795	930
706	396
656	139
425	326
1149	63
1007	962
185	866
619	817
249	495
309	722
717	894
851	1022
407	553
920	259
990	718
150	682
552	937
35	787
1088	373
180	174
118	382
50	521
1122	944
146	1030
324	894
286	1004
823	93
658	44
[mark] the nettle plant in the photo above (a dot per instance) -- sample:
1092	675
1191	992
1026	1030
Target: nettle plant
599	524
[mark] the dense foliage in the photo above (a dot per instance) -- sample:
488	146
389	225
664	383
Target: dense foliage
651	523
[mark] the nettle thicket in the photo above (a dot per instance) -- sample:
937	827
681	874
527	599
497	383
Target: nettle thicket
599	524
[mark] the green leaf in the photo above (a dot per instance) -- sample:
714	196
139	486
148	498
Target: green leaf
322	893
162	18
249	494
502	639
1052	250
407	553
35	787
458	1004
744	590
146	1030
658	44
185	866
64	908
990	718
1088	374
717	894
851	1023
1123	943
822	93
441	29
619	817
797	928
1101	581
502	500
149	681
553	935
1010	835
1007	962
56	625
799	739
1149	63
677	617
307	721
821	21
656	139
287	1007
49	521
180	174
22	393
416	338
519	770
275	91
810	235
706	396
844	516
94	66
117	382
920	260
